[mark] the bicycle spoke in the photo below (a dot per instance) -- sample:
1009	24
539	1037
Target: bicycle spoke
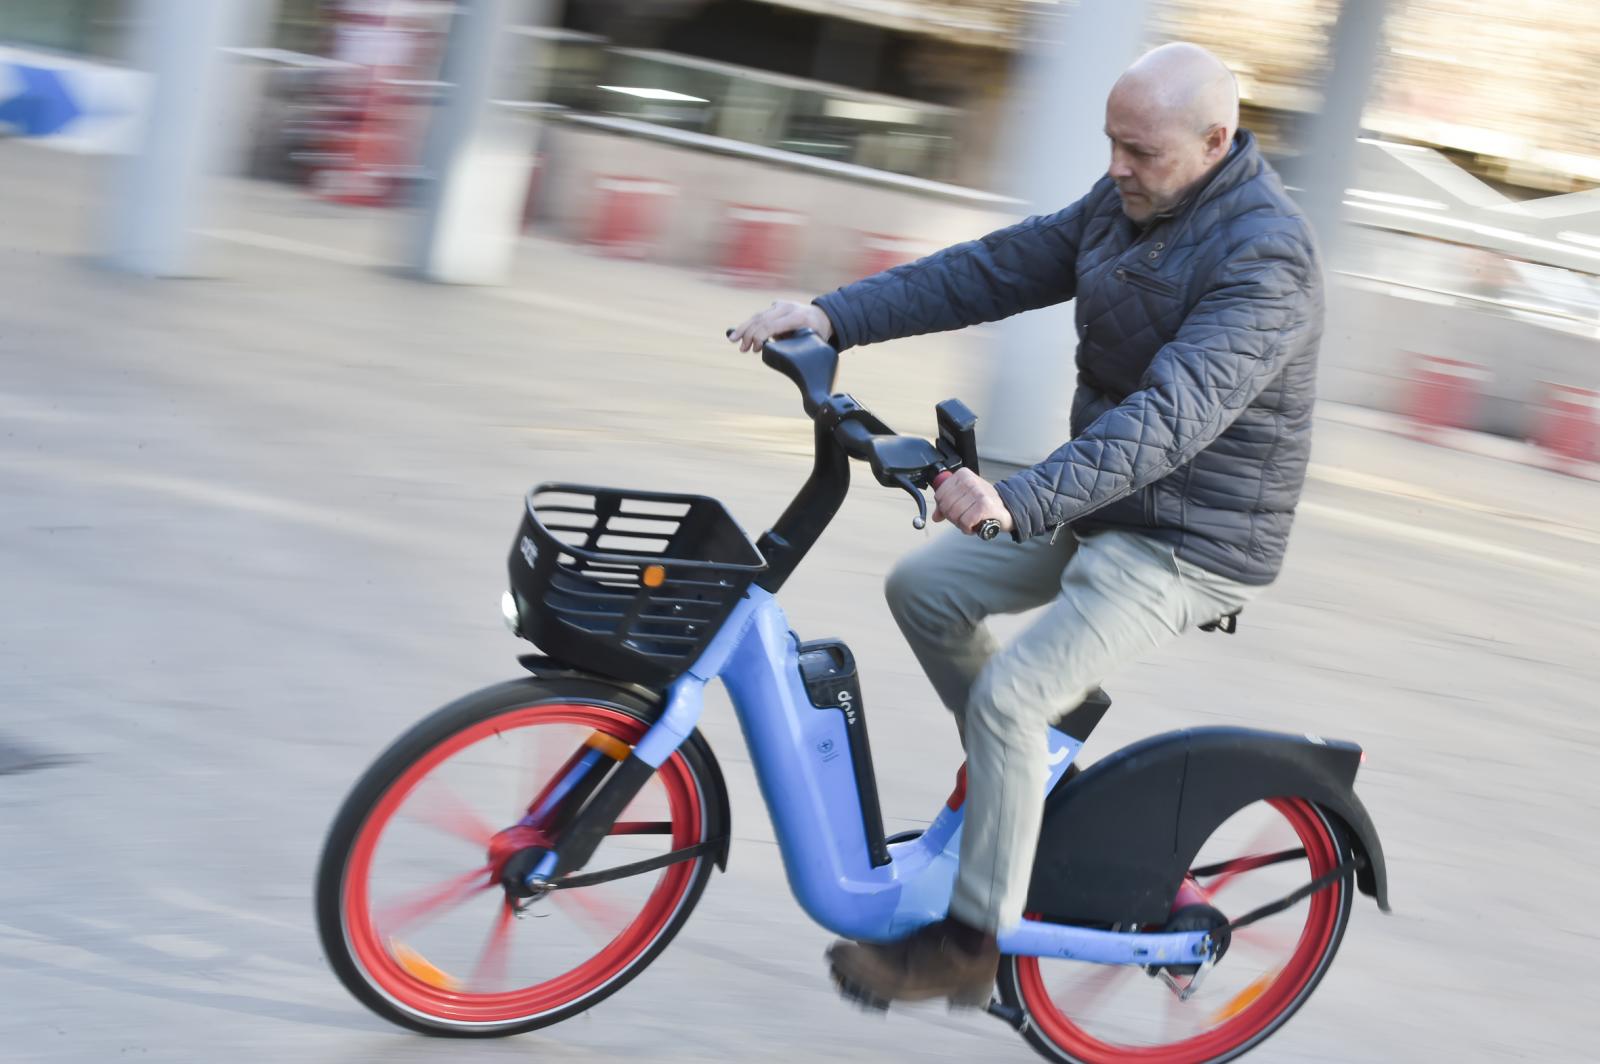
490	971
433	901
553	780
592	911
530	766
1174	1018
1260	841
537	771
1241	865
1278	953
441	808
1092	989
1265	937
426	926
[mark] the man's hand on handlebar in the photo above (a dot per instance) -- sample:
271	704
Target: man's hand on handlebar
966	500
782	317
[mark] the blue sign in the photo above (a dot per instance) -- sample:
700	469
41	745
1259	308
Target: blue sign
42	107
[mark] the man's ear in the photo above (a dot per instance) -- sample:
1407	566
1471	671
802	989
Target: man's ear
1217	139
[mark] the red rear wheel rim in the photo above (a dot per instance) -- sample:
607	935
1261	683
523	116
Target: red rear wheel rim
1321	927
384	971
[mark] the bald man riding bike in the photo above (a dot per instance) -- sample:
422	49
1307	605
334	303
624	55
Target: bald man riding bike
1199	311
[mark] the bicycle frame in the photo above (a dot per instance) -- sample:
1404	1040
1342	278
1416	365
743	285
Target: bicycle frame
807	779
801	753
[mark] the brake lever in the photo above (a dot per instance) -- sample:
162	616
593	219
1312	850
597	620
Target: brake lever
909	486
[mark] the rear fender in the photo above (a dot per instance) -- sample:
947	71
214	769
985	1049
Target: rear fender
1117	840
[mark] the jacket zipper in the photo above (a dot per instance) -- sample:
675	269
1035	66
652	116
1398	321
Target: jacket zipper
1147	282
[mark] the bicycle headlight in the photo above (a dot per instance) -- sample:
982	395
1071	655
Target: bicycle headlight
508	613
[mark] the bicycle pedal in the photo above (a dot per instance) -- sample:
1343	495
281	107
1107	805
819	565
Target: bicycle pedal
862	999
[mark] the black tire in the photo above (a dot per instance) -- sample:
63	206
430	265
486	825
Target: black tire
1011	995
429	734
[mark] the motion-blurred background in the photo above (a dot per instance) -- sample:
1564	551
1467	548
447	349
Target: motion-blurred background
297	297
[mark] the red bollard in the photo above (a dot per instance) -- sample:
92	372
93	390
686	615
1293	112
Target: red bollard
370	153
759	244
1444	394
627	221
880	252
1569	423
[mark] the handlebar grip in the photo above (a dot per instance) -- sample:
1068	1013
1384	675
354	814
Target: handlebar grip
988	528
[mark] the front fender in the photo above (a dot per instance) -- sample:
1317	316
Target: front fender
1117	840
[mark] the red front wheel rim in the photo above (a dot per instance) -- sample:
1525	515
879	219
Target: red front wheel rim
412	984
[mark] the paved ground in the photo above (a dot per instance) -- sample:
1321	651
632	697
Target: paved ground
252	526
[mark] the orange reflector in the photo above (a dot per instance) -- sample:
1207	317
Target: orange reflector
614	748
1244	999
418	967
654	576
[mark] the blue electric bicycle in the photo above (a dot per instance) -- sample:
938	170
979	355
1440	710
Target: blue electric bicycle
522	853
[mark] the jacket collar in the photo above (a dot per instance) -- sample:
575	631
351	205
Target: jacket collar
1241	163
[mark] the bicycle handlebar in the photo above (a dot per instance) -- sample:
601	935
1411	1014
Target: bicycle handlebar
856	438
910	463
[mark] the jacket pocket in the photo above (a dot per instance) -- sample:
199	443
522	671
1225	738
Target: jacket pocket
1148	282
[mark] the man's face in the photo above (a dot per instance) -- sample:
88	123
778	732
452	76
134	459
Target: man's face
1156	158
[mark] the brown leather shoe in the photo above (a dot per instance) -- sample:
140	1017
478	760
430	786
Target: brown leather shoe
943	960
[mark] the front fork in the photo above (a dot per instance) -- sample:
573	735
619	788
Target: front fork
566	823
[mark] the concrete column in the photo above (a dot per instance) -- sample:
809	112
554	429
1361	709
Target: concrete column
1052	153
479	155
1328	164
192	118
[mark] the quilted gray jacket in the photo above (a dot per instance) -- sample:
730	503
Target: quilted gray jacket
1197	351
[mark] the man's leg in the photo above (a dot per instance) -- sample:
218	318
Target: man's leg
941	593
1121	596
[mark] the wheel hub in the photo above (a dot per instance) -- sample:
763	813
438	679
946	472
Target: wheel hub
513	855
1198	917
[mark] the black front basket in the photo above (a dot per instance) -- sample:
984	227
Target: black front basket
628	584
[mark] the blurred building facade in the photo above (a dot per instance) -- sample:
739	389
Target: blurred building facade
880	122
1511	104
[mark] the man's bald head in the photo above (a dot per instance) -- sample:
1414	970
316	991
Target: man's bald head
1182	83
1171	118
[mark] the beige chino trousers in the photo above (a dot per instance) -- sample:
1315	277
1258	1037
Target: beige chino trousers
1109	598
